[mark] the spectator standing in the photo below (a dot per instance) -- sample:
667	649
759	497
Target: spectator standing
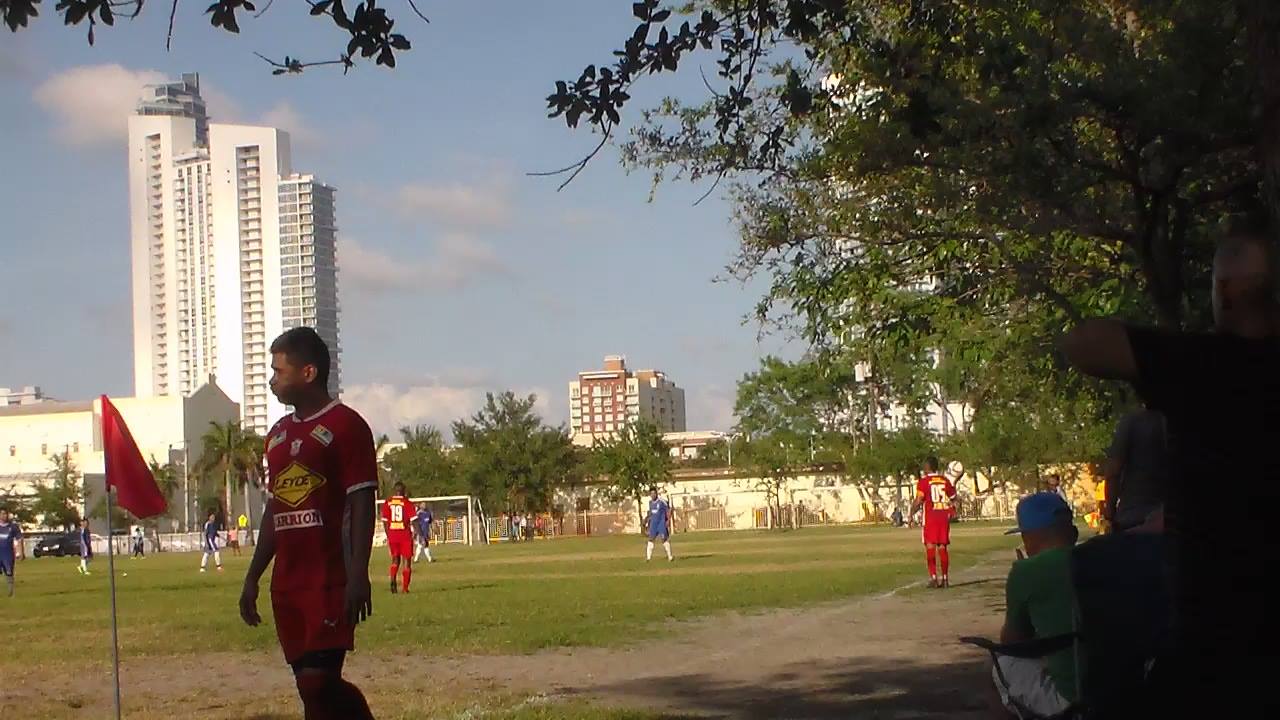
1220	396
1137	469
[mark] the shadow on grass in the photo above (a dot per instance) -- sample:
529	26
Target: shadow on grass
971	583
873	688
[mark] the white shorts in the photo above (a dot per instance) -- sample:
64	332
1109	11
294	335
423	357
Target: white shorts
1027	689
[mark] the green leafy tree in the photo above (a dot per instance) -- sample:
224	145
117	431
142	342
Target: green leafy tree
634	461
234	454
60	498
935	189
509	458
368	26
775	459
20	507
424	465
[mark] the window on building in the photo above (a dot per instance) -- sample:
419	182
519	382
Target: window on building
13	450
44	448
75	447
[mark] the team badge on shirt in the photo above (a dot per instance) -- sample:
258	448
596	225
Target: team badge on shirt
275	441
323	434
296	447
295	484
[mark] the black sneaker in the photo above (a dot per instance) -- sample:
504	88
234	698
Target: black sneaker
393	586
933	583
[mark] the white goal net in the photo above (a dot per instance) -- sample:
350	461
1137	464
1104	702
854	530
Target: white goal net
454	519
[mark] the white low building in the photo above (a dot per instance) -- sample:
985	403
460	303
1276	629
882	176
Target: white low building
166	429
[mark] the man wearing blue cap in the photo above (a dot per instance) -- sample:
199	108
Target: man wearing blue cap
1039	599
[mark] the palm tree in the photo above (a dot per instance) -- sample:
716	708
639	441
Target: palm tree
232	450
166	477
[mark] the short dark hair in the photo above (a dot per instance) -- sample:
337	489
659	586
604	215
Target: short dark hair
399	488
304	346
931	464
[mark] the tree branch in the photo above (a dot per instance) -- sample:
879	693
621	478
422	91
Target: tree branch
578	166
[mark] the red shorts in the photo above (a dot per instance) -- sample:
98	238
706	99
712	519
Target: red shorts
400	546
310	620
937	532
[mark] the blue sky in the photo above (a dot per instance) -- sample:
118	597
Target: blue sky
459	274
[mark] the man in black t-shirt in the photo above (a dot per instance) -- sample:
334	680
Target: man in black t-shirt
1220	396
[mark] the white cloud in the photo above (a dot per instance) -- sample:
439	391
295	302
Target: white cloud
710	408
91	104
388	407
284	116
457	205
454	262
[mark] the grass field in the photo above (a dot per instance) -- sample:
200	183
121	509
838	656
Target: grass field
485	600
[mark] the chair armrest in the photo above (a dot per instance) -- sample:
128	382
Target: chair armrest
1038	648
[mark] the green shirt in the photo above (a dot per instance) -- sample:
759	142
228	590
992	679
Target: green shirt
1039	602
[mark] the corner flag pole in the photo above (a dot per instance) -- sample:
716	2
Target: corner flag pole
115	639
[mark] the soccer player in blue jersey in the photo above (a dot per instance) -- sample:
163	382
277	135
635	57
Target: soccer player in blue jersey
86	547
422	528
211	544
659	524
10	538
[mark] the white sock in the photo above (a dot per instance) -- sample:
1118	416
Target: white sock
427	551
84	567
648	550
217	558
667	546
204	561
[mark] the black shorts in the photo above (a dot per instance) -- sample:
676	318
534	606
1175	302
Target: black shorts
330	660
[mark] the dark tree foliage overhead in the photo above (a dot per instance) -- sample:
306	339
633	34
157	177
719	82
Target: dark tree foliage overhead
1131	124
367	25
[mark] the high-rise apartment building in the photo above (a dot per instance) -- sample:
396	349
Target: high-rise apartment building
602	402
230	248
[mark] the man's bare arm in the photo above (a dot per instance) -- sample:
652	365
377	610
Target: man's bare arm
360	510
263	552
1100	348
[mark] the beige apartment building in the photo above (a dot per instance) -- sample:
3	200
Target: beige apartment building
602	402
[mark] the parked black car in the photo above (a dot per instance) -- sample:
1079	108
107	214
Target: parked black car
58	545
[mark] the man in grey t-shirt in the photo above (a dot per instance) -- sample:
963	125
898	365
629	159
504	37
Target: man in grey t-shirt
1137	469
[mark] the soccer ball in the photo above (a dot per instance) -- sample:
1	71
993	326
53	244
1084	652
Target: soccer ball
124	574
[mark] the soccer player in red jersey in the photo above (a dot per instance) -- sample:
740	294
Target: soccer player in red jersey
397	520
321	466
936	493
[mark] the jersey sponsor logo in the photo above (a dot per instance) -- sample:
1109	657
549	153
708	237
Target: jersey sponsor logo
297	519
323	434
295	484
271	445
296	447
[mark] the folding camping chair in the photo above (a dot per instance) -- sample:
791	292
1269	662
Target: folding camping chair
1121	623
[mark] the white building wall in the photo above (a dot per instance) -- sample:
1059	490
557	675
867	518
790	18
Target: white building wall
31	435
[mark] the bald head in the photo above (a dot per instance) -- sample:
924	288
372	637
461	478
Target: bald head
1244	284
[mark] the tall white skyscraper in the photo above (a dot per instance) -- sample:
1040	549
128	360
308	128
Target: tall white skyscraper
230	248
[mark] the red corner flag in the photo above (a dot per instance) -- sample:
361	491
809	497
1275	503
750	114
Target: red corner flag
127	472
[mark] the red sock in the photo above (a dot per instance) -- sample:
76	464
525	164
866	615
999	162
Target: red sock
945	557
931	557
395	567
408	573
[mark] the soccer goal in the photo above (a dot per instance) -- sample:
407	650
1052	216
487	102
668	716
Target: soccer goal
454	519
